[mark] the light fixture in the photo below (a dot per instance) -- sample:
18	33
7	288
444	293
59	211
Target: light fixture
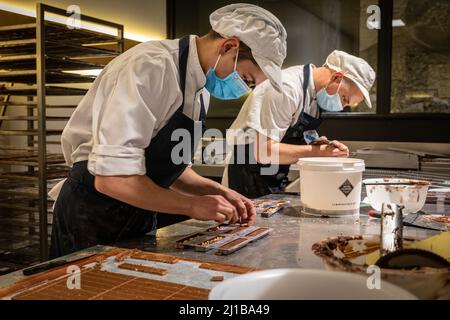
395	24
398	23
87	72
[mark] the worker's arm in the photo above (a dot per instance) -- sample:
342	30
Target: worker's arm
140	191
270	151
191	182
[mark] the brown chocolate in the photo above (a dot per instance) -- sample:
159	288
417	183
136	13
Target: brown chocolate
226	268
144	269
237	229
180	242
211	241
217	278
151	256
102	285
97	284
233	243
256	232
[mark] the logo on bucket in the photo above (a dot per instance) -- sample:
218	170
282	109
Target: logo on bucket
346	188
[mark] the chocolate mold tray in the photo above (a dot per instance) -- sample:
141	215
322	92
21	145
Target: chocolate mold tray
243	238
223	237
268	207
232	246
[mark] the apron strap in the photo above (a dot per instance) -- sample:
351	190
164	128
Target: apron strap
183	55
202	117
182	66
306	76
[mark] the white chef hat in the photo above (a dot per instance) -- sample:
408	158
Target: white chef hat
258	29
355	69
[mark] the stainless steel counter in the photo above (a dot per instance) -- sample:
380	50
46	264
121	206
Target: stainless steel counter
288	246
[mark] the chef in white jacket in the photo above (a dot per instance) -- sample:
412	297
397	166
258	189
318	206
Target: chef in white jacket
124	181
267	135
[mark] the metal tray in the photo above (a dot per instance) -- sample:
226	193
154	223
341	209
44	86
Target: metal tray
28	62
29	77
228	233
56	31
49	90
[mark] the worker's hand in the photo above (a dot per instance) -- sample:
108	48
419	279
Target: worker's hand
321	140
213	207
244	206
334	149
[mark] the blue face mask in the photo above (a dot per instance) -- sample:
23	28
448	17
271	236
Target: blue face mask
230	87
331	103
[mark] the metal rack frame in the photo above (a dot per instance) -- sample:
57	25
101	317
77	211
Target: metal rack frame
37	53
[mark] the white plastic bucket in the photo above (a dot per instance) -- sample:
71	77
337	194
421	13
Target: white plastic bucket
331	186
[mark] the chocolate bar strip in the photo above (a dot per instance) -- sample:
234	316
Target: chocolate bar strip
217	278
226	268
144	269
236	230
232	246
148	256
209	242
180	243
258	233
270	212
267	208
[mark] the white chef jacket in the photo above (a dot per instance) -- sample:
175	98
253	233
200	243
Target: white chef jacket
130	101
272	113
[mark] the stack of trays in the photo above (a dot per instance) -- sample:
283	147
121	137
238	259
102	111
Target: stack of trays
224	238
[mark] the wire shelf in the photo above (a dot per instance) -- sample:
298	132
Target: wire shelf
35	57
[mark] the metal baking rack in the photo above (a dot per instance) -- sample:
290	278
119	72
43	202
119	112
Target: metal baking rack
37	61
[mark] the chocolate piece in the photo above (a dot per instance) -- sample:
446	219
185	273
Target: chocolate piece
123	255
157	257
211	241
144	269
232	246
233	243
237	229
266	207
256	232
216	228
226	268
181	242
217	278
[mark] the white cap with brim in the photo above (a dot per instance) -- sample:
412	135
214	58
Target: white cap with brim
260	30
355	69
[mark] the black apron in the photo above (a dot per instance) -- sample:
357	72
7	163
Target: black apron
83	217
247	179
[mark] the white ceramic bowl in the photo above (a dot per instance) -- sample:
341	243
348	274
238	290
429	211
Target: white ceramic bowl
304	284
412	197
